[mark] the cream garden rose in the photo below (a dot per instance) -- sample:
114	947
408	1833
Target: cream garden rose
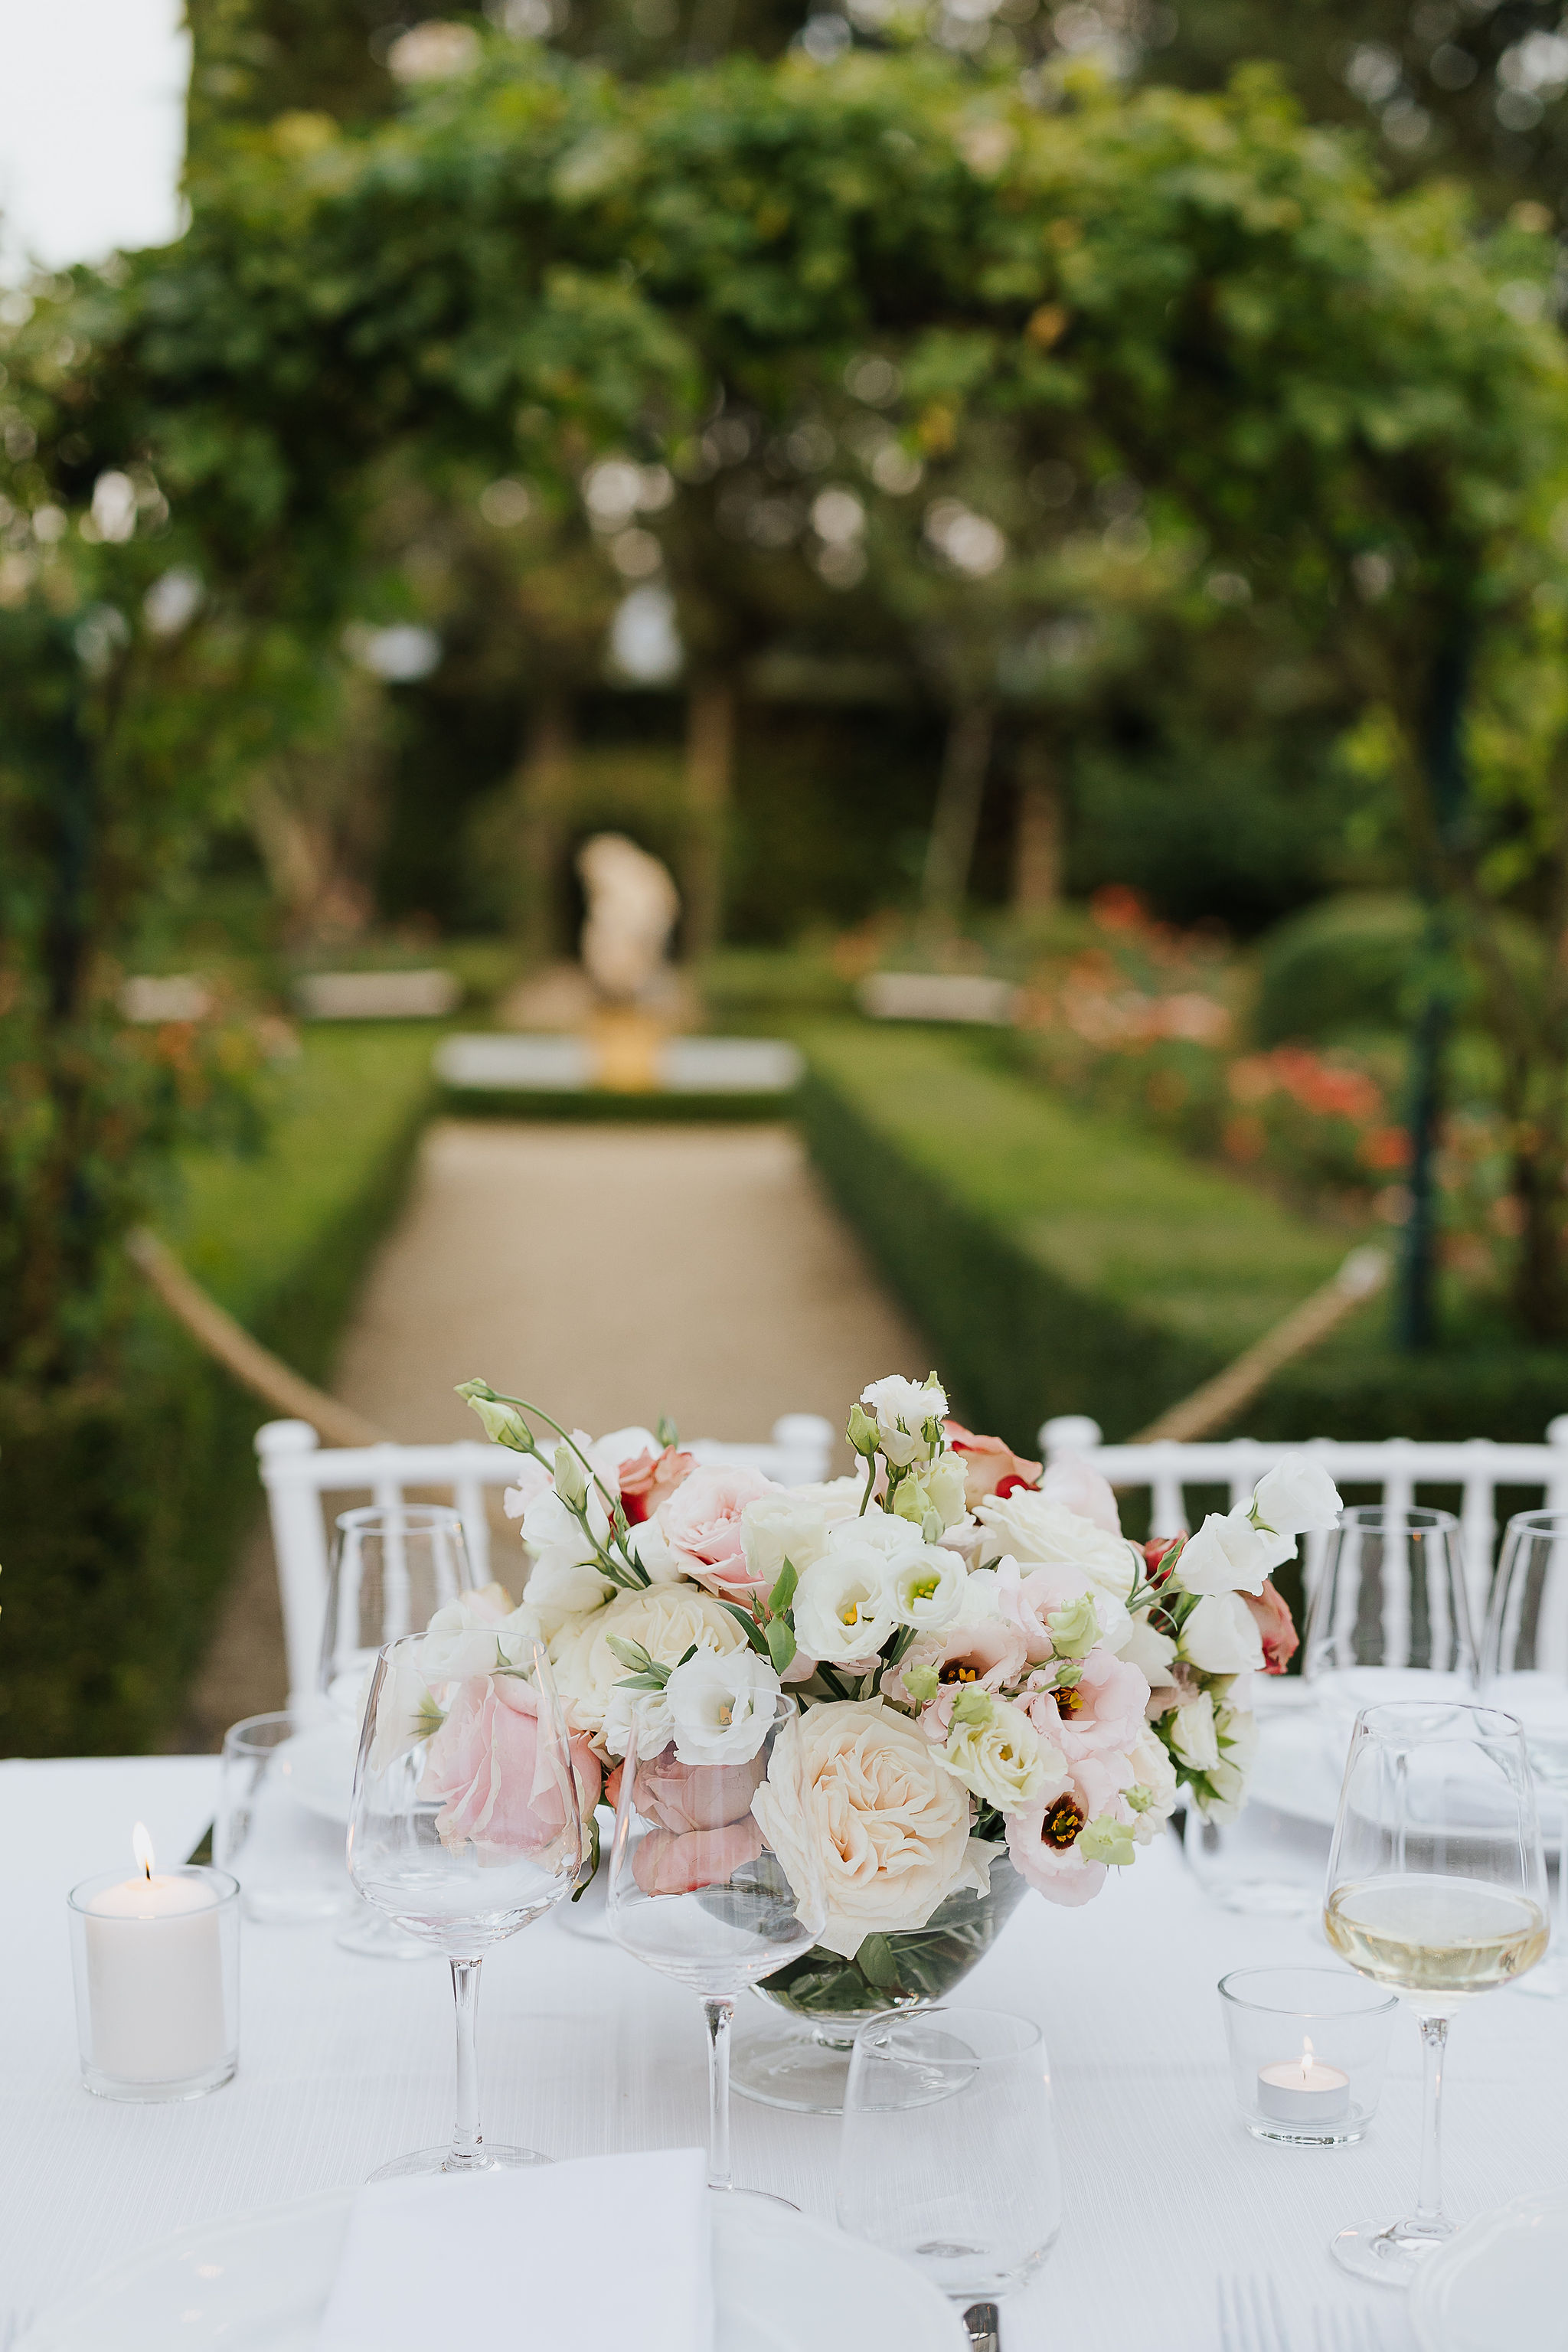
996	1752
666	1619
857	1802
1039	1533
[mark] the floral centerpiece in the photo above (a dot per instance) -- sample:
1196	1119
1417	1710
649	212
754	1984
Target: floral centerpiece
996	1688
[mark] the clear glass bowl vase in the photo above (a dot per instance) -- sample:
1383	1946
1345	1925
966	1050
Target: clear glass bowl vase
798	2057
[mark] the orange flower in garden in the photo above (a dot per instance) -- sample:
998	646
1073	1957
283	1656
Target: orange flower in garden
1386	1149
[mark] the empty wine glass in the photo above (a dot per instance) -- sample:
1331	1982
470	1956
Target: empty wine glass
391	1569
698	1890
1390	1617
1436	1889
1524	1668
467	1825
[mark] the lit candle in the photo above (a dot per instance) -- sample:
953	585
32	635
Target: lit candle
1303	2090
154	1975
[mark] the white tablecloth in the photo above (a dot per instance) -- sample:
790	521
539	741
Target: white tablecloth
347	2062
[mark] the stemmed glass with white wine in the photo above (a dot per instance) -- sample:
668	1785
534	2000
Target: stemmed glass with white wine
1436	1888
1524	1668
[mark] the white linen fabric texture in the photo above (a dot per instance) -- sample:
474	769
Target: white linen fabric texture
346	2061
508	2255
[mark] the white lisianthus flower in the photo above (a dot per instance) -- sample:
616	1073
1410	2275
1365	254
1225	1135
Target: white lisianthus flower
838	1498
1153	1770
660	1559
842	1604
721	1709
981	1600
649	1709
782	1526
559	1588
1150	1651
994	1750
466	1637
1221	1636
925	1588
1236	1730
1191	1734
1295	1496
894	1537
908	1419
1039	1533
857	1806
1228	1554
666	1619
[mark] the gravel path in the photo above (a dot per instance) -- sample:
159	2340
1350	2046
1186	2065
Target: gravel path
610	1273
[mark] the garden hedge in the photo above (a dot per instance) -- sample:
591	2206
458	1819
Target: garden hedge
1057	1262
121	1507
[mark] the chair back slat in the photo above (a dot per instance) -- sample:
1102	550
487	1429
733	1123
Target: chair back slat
298	1472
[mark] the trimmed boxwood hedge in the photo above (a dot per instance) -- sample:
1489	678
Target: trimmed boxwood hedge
120	1507
1057	1262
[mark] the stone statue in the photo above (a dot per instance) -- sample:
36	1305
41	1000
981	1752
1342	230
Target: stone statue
632	908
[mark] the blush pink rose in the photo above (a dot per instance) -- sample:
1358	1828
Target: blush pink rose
702	1520
663	1864
1078	1486
496	1777
697	1797
1277	1630
649	1479
990	1468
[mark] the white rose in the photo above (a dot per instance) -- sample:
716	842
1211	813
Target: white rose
1151	1766
1228	1554
667	1619
1191	1734
466	1638
1221	1636
1297	1495
925	1588
908	1419
999	1756
721	1709
842	1605
779	1526
858	1807
1150	1651
1042	1533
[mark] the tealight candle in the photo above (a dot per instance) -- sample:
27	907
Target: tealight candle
1303	2090
155	2003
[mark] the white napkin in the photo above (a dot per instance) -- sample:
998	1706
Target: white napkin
608	2250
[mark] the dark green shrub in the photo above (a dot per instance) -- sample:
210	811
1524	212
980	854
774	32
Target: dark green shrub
1345	963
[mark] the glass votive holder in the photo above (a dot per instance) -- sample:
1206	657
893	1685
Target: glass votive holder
284	1790
156	1958
1308	2048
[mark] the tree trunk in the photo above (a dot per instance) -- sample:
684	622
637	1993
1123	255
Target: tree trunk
537	831
709	762
1037	833
956	817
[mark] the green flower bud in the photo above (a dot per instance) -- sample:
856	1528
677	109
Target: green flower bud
861	1430
1074	1630
503	1424
1139	1796
1108	1840
922	1682
571	1478
974	1706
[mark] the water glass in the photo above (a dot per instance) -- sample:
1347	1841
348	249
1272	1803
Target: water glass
1524	1669
947	2155
282	1810
1390	1617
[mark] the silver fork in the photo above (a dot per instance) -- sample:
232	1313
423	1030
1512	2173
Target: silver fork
1337	2330
1250	2319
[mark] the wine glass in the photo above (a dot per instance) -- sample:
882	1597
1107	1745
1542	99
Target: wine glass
1524	1668
467	1825
391	1569
1436	1888
699	1891
1390	1616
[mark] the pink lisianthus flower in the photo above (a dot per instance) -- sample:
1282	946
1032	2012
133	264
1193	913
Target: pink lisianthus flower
498	1781
1042	1842
1026	1602
702	1520
649	1479
1078	1486
987	1657
1275	1627
990	1468
1100	1714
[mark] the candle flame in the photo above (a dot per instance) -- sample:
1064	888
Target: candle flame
1306	2056
142	1847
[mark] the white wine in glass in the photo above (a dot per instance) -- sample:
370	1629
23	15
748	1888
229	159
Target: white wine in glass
1436	1888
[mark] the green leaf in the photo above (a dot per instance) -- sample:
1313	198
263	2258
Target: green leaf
782	1645
753	1631
784	1592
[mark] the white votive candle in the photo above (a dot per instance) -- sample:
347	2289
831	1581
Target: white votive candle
1303	2090
154	1975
